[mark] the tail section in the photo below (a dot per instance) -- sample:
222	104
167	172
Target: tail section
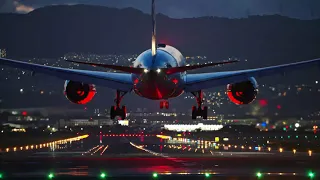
154	40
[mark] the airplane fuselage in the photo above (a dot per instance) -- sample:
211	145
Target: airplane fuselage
154	84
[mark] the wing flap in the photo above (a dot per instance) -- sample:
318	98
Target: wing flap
196	82
120	81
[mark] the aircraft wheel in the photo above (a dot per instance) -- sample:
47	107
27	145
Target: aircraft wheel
205	112
194	112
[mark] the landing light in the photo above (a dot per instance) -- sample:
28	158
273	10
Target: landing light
145	70
158	70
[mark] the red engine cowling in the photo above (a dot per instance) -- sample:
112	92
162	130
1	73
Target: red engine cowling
79	93
243	92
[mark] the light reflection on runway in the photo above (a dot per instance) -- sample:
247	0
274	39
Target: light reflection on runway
145	155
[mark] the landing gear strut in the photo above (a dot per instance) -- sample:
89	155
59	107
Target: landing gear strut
116	110
164	104
199	111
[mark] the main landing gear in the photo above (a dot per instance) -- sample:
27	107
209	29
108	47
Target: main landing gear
199	111
116	110
164	104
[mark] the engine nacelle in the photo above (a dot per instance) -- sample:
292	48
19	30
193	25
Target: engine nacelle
78	92
243	92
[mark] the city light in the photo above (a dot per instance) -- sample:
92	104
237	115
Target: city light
158	70
103	175
155	175
145	70
50	175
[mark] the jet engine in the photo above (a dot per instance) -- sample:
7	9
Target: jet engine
78	92
243	92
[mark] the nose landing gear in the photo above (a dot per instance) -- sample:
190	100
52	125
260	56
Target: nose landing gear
199	111
116	110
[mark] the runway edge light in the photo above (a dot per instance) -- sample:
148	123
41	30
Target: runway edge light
259	175
206	175
155	175
311	174
50	175
103	175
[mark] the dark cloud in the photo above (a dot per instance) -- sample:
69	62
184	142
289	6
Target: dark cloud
303	9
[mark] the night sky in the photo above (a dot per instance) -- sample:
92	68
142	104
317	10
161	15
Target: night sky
302	9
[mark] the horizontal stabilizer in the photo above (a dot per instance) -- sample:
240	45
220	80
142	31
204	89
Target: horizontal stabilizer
114	67
188	68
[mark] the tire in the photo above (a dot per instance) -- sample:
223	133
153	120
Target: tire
166	104
161	104
124	112
205	112
112	112
194	112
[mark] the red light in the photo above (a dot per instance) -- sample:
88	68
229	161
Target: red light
263	102
279	106
24	113
175	81
136	81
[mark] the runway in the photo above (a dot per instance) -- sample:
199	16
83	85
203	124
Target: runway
127	156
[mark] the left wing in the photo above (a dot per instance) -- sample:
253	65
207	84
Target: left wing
196	82
119	81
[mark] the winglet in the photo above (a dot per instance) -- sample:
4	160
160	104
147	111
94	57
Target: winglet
154	40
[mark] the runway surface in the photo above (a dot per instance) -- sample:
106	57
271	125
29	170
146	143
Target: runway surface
128	156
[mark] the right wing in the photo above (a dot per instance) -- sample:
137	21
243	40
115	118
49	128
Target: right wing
119	81
196	82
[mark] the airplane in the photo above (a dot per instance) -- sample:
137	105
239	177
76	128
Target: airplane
159	73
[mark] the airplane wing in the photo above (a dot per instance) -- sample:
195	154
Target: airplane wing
196	82
119	81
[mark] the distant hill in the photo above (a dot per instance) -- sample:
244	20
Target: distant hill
55	30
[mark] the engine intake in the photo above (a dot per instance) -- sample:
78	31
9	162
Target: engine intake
243	92
78	92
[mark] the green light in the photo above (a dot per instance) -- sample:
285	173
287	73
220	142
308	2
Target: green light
311	174
207	175
1	175
155	175
259	174
51	175
103	175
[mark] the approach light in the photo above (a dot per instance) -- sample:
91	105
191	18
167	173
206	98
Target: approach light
259	174
158	70
103	175
145	70
50	175
155	175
